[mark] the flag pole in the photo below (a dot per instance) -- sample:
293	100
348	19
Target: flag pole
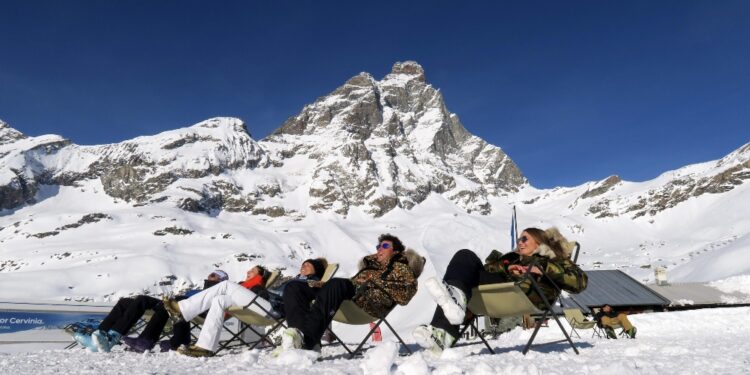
513	229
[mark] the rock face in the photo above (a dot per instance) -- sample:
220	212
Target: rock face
371	145
21	166
391	143
136	171
673	188
375	145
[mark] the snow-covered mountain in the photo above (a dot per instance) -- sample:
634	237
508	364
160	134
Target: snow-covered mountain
374	156
384	144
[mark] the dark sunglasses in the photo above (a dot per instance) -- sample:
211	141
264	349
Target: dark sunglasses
383	245
522	239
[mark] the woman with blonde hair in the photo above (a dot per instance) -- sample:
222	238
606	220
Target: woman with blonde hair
545	255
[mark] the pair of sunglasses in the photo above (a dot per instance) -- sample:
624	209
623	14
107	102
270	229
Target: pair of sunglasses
522	239
383	245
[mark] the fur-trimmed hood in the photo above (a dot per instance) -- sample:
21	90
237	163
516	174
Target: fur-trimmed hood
415	261
554	236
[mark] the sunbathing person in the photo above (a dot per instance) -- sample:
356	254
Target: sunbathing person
128	311
465	271
215	300
311	271
608	318
180	330
385	279
225	296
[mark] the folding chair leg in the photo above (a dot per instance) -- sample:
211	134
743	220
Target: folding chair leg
265	337
335	336
572	331
475	327
237	335
539	323
397	336
567	337
473	324
361	344
358	349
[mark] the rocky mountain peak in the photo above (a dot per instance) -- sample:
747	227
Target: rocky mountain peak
411	69
225	124
8	134
740	155
391	143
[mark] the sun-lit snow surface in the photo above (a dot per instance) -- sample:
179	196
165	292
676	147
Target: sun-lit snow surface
708	341
703	239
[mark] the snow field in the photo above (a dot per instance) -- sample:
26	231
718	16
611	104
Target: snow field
707	341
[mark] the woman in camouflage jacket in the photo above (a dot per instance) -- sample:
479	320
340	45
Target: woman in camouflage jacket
385	279
542	255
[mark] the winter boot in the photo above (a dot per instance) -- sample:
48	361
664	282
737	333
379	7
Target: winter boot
631	332
84	339
173	309
87	326
105	341
291	338
165	346
451	299
138	344
432	338
194	351
610	333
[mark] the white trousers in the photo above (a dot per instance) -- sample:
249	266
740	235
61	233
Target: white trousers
216	299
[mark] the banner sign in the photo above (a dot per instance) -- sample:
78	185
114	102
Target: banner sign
15	321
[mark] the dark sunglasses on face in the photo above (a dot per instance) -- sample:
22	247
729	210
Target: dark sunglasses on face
382	246
522	239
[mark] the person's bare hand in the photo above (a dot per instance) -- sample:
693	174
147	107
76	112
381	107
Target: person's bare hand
517	269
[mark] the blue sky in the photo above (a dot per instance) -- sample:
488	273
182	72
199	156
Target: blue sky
573	91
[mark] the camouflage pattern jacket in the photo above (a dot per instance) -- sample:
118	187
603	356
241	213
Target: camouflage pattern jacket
565	275
379	287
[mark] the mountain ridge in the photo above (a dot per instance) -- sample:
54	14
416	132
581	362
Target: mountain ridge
373	156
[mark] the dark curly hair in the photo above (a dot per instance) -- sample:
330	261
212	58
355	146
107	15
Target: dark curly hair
398	246
262	272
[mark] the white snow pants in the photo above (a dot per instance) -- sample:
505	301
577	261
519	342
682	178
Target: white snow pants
216	299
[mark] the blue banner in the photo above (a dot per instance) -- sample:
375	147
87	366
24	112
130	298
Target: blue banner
15	321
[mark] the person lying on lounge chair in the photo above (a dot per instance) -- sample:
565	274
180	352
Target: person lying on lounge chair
310	273
549	250
128	311
386	278
215	300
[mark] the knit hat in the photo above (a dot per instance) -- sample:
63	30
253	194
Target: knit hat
318	265
221	275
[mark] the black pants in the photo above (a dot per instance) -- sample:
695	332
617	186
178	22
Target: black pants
465	271
297	298
312	320
127	311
